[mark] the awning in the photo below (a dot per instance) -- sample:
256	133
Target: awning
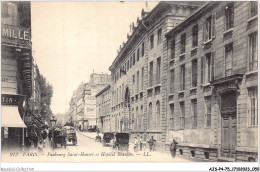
11	117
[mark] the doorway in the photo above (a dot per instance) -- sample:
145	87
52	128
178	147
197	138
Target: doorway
228	124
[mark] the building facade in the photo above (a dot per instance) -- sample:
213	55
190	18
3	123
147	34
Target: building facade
139	73
16	67
212	83
103	109
83	102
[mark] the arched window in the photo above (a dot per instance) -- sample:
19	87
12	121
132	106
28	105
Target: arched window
158	116
136	121
150	114
141	118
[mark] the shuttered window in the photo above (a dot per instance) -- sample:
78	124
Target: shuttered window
229	15
228	59
253	104
253	57
194	74
172	116
209	27
208	111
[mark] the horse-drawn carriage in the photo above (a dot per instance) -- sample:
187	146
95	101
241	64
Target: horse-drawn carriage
122	142
57	137
70	133
107	138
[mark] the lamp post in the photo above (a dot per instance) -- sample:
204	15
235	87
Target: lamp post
24	111
53	121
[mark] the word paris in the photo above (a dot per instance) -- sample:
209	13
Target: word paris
15	32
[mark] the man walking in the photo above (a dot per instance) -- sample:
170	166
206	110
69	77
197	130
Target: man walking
173	148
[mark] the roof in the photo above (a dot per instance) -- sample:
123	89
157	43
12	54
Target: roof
145	19
207	6
102	91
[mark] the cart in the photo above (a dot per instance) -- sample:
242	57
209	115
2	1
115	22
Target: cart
58	137
122	142
70	133
106	138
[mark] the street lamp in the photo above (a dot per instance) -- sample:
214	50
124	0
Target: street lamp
53	121
24	111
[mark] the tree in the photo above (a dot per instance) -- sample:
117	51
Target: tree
46	95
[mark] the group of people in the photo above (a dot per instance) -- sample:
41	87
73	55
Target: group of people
140	143
36	138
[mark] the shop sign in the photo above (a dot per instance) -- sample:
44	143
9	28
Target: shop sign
16	36
9	99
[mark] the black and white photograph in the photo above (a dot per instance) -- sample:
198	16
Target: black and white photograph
172	82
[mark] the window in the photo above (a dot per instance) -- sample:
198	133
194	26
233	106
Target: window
207	67
137	82
182	77
208	111
172	49
133	59
142	81
252	110
127	65
194	74
151	41
183	43
137	55
158	74
194	113
253	8
158	120
182	117
195	36
150	114
142	49
172	81
133	84
151	75
209	28
136	117
253	59
172	116
122	92
141	118
159	33
229	15
228	59
119	97
132	118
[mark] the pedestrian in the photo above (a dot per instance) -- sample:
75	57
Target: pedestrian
173	148
151	143
138	142
144	144
40	146
141	143
34	138
135	145
44	136
113	143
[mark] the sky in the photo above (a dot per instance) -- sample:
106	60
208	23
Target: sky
70	40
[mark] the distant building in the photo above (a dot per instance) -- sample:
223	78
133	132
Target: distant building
83	103
103	110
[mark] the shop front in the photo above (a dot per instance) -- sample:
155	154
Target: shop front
12	125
